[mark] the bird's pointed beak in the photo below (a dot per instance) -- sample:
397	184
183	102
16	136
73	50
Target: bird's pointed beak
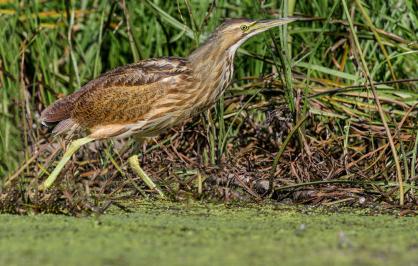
265	24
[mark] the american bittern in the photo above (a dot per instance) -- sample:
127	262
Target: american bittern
149	96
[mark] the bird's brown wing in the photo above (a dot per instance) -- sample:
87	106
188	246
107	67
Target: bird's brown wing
122	95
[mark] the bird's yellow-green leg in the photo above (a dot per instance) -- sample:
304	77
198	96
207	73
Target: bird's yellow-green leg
72	148
134	163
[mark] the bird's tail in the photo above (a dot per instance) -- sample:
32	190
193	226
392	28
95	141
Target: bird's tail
58	115
67	125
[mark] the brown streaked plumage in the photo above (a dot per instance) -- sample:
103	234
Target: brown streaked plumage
152	95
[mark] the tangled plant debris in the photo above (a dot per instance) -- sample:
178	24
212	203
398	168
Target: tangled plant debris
310	108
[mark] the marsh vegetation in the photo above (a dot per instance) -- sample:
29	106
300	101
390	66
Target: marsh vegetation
321	112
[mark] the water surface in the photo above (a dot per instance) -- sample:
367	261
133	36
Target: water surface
178	234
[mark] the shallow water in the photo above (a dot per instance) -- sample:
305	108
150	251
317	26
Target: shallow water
178	234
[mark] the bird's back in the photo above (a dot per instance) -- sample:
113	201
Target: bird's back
123	96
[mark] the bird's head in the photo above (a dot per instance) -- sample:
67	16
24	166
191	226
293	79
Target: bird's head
234	32
231	34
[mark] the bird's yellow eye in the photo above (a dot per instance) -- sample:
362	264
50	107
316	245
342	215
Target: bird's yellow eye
244	27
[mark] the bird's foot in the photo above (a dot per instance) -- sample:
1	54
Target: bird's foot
134	163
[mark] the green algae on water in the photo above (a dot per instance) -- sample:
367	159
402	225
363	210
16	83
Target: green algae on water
178	234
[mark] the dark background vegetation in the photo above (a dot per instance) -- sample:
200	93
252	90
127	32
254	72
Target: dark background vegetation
300	123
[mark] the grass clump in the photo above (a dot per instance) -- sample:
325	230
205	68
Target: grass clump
319	112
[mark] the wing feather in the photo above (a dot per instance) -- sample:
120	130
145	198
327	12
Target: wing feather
120	95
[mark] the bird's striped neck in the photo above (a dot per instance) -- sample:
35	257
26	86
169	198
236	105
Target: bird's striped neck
213	65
